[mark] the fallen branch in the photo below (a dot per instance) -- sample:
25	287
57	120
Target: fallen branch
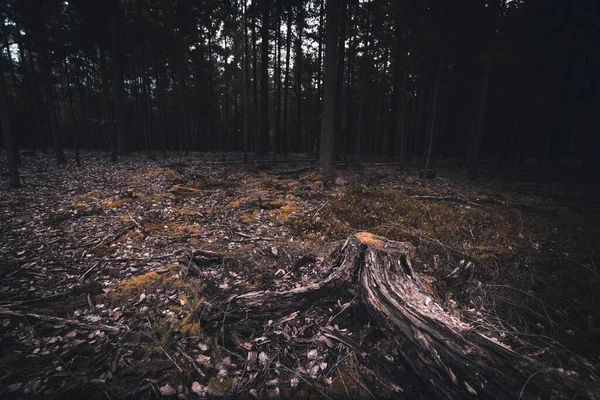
48	318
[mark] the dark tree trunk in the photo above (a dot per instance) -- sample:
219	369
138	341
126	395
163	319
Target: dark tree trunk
318	104
49	91
339	85
246	94
36	96
263	145
255	80
433	119
277	139
118	81
328	123
479	125
298	66
108	125
7	135
286	86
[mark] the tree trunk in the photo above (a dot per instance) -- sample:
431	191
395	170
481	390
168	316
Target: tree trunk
277	138
49	89
329	82
298	66
263	145
108	125
13	169
286	86
479	124
318	106
339	85
254	80
433	119
448	357
118	82
246	96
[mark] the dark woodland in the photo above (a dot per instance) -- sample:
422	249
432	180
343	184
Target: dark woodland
338	199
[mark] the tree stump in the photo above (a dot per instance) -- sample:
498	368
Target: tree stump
449	357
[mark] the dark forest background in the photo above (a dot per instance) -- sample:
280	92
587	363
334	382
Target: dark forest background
496	80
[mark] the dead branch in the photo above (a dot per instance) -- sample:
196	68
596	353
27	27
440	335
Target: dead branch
64	321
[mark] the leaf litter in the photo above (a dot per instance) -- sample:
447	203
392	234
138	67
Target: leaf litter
114	277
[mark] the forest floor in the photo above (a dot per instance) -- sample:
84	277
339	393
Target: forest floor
108	271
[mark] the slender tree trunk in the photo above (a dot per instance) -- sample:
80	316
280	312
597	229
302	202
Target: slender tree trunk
35	96
277	141
70	107
246	96
318	97
160	95
479	124
118	82
48	88
108	125
433	119
32	121
339	85
256	140
211	90
7	135
328	124
264	81
397	93
288	46
363	124
298	64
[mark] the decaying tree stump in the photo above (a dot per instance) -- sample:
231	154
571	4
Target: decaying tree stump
447	355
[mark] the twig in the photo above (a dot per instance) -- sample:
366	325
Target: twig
527	381
86	273
320	208
139	226
48	318
191	360
143	258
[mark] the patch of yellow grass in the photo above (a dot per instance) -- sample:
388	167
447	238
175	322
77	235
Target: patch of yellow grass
369	239
181	190
313	176
235	204
250	218
159	172
109	203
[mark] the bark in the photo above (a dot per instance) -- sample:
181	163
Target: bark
319	79
339	140
118	82
49	91
254	78
263	145
108	126
328	122
447	356
433	119
36	96
479	124
288	46
277	138
298	65
33	122
7	134
246	95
